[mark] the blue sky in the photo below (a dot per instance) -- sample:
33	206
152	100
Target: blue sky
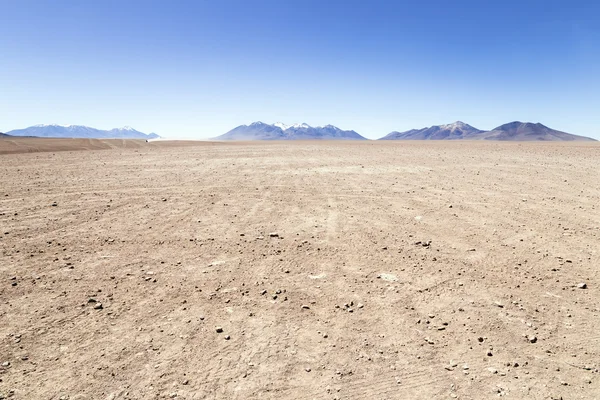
196	69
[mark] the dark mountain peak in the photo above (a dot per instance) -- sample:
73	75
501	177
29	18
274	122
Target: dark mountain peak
529	131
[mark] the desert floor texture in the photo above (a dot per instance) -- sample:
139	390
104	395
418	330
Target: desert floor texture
299	270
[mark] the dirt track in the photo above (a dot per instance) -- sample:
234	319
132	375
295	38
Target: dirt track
429	269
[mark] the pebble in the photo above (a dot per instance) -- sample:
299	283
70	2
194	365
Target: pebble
274	234
219	329
582	286
98	306
227	337
532	339
305	307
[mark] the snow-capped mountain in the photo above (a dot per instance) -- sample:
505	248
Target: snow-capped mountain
456	130
280	131
80	131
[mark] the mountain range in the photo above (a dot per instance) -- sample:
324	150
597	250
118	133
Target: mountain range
457	130
513	131
79	131
279	131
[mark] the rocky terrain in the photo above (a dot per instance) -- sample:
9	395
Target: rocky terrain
300	270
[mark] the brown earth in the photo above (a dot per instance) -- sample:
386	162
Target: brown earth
394	270
16	145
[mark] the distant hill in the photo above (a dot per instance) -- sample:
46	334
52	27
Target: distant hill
527	131
280	131
513	131
457	130
79	131
3	134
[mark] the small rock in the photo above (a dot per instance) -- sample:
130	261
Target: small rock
219	329
582	286
305	307
307	369
98	306
273	234
227	337
532	339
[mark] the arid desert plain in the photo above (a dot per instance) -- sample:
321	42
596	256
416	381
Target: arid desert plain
299	270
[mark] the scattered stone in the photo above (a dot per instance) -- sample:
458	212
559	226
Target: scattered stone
480	339
532	339
305	306
307	369
219	329
273	234
186	382
582	286
6	364
227	337
489	354
493	370
98	306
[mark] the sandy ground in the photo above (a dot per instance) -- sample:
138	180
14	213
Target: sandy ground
374	270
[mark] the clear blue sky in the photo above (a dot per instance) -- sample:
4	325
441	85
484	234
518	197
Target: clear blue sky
199	68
